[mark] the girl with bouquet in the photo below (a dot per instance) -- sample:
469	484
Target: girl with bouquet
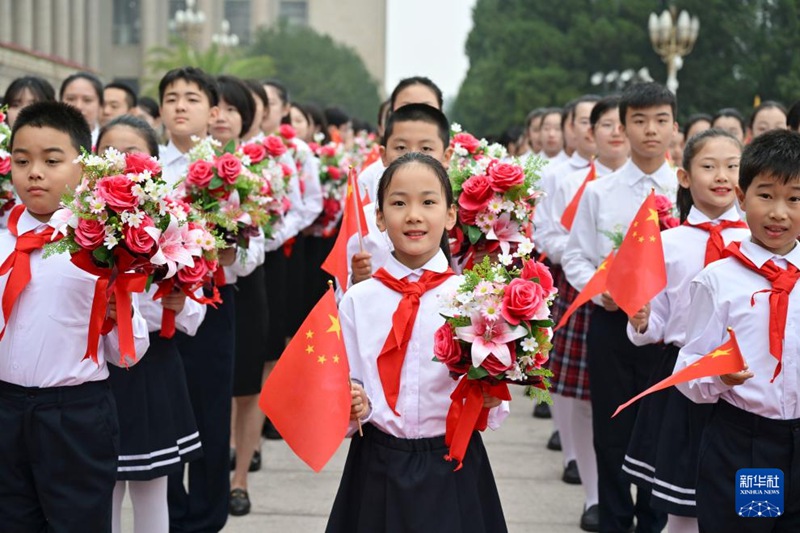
396	478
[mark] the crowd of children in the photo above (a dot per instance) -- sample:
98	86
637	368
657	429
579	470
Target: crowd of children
180	427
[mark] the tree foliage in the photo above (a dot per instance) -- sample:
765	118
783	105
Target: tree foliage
317	69
528	54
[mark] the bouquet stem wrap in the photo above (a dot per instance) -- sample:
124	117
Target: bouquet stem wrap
467	414
168	315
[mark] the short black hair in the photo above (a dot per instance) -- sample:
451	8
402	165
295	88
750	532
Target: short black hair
130	95
40	89
283	92
532	115
149	105
646	95
336	116
793	116
567	112
287	119
586	98
731	112
416	80
418	113
767	104
236	93
603	106
694	119
97	85
257	89
135	123
383	110
59	116
204	82
774	154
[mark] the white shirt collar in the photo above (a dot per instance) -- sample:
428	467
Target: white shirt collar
170	154
663	175
438	263
760	255
698	217
27	223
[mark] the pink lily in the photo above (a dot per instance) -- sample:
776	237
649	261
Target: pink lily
233	209
506	231
489	338
174	247
62	219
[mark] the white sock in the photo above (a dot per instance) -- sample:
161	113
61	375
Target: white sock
150	511
583	446
682	524
562	416
116	508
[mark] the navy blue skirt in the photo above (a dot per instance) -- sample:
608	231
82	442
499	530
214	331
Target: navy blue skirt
662	454
405	485
158	432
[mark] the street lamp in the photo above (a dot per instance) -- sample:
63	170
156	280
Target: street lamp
189	23
673	37
618	80
225	39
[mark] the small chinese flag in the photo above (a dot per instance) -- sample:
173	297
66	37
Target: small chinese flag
372	156
352	222
596	285
307	394
569	213
638	272
724	359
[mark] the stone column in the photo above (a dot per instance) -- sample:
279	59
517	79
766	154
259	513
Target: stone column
92	42
43	26
61	30
78	31
23	24
6	21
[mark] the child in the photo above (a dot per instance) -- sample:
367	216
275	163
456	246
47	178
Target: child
730	120
662	455
25	91
568	361
619	370
395	477
756	416
84	91
189	99
60	437
551	137
770	115
157	428
411	128
118	99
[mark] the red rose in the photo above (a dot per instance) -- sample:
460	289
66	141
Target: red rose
663	206
200	173
467	141
287	132
467	217
504	176
255	151
475	193
535	270
329	150
287	170
274	146
138	240
5	165
331	207
334	172
493	365
191	275
228	167
521	300
90	233
117	193
138	162
449	351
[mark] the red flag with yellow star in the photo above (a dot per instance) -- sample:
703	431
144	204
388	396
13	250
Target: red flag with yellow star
353	222
724	359
307	394
596	285
638	272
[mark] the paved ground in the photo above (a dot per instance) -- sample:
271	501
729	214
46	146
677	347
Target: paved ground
288	496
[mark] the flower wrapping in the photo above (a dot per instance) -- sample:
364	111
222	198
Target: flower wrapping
7	196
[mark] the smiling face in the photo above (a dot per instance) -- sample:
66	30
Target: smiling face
415	214
713	176
773	213
42	168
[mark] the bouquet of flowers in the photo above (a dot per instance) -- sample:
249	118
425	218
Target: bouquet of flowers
497	331
121	225
7	196
467	149
666	213
496	201
236	200
263	160
333	178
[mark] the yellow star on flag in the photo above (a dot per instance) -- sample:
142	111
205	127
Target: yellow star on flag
335	327
335	358
635	223
309	334
641	239
719	353
309	349
652	238
321	359
635	233
653	216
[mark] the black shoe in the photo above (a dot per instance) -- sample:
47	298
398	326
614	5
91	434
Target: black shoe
590	519
270	432
571	474
542	410
233	459
239	502
554	443
255	462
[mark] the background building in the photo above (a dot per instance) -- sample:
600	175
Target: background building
52	38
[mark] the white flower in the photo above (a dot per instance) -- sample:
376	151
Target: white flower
525	247
97	205
460	151
464	297
529	344
110	241
514	374
133	218
505	259
456	127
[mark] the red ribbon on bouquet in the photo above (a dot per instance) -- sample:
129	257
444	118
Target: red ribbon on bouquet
121	283
165	287
467	414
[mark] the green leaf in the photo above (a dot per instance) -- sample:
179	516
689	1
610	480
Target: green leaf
473	233
230	147
477	372
103	256
215	183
